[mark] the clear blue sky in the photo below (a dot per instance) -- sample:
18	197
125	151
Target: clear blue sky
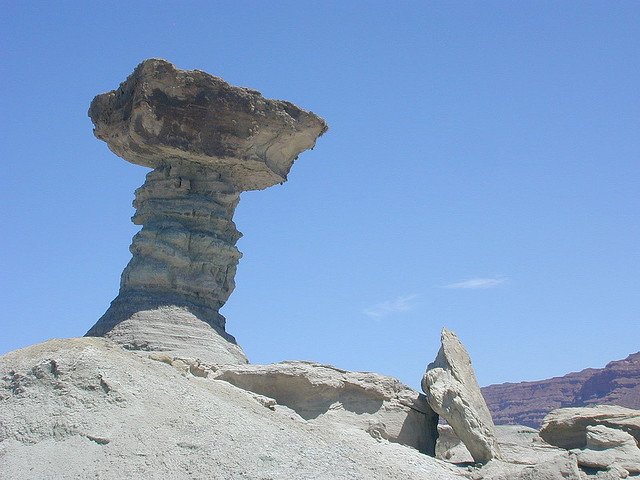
481	172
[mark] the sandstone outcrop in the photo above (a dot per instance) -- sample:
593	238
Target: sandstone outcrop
527	403
86	408
206	142
567	427
452	391
381	406
609	449
525	456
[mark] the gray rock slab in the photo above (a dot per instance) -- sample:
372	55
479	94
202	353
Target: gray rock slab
379	405
452	390
562	467
518	445
567	427
608	448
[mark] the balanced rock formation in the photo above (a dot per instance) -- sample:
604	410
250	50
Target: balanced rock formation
452	390
567	427
527	403
206	142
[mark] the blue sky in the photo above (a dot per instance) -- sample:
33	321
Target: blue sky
480	172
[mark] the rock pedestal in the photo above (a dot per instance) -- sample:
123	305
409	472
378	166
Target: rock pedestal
206	142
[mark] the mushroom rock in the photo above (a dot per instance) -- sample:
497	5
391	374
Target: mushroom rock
452	391
206	141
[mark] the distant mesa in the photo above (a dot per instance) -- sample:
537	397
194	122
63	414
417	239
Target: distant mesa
206	141
527	403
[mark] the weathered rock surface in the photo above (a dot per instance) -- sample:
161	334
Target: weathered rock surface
609	448
561	467
452	390
527	403
567	427
381	406
206	141
176	332
525	456
519	445
86	408
162	115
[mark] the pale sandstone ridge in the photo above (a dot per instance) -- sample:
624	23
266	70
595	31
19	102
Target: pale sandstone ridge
86	408
382	406
452	390
207	141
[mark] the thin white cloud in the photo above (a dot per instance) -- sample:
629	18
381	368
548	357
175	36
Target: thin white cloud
478	283
400	304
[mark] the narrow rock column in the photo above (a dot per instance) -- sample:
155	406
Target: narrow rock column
207	142
185	254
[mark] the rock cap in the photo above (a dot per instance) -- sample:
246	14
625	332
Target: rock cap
161	114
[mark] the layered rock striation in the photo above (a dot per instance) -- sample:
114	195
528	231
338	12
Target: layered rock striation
206	142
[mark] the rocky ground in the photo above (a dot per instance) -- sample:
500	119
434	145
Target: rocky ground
87	408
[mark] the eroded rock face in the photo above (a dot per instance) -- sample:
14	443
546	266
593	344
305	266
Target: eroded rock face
567	427
452	390
162	115
86	408
381	406
609	448
206	141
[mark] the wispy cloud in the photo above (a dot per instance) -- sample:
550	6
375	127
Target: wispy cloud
400	304
478	283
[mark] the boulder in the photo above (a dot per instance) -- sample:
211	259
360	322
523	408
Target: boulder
608	448
567	427
452	391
